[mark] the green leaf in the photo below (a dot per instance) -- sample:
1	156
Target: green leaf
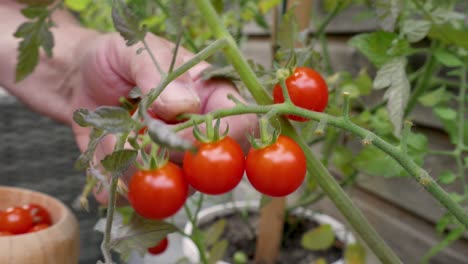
447	177
266	5
319	238
137	236
34	12
77	5
218	5
119	161
388	12
355	254
415	30
214	232
162	134
458	198
94	138
342	158
218	251
447	59
417	141
288	30
373	161
449	35
240	257
226	72
363	82
392	76
126	23
126	212
380	46
445	113
435	97
110	118
444	222
454	235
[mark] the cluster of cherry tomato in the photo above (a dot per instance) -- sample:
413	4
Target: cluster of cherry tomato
276	169
24	219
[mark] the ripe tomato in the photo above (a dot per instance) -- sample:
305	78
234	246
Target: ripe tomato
38	227
216	168
39	214
306	88
5	233
158	193
278	169
160	247
16	220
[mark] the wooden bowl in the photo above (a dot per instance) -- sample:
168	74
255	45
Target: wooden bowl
58	244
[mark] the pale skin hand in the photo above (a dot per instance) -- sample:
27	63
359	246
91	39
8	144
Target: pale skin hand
89	70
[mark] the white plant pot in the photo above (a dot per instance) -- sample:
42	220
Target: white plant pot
209	214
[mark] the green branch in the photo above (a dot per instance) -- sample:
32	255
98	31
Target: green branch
314	166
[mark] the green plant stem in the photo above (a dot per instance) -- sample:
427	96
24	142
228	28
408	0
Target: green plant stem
153	58
424	79
461	129
326	181
195	236
201	56
418	173
105	245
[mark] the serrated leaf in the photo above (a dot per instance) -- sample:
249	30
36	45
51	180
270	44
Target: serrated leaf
447	177
137	236
355	254
214	232
415	30
163	135
218	251
46	40
392	76
77	5
126	23
448	59
454	235
388	12
288	30
319	238
380	46
28	58
444	222
94	138
435	97
110	118
119	161
177	9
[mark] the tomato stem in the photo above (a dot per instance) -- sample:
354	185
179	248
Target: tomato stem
284	89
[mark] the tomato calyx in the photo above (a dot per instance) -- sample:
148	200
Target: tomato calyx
156	158
212	132
267	138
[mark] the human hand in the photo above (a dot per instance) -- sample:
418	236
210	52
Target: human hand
108	70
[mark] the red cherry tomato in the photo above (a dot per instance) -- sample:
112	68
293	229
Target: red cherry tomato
306	88
216	168
278	169
39	214
158	193
5	233
160	247
38	227
16	220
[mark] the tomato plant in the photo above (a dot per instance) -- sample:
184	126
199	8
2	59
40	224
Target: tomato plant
216	167
16	220
160	247
307	89
277	169
158	193
39	214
